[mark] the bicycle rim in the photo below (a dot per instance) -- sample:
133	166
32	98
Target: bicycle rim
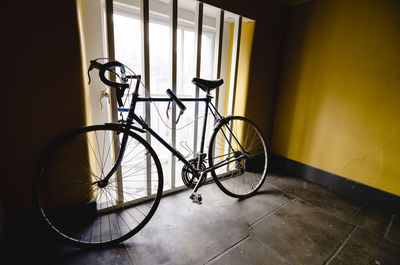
71	198
239	146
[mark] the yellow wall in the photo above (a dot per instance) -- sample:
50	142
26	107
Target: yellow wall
83	51
228	69
242	83
246	42
241	92
339	101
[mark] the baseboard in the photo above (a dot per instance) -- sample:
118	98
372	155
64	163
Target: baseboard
336	183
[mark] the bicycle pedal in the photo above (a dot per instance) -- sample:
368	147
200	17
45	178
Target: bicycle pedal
196	198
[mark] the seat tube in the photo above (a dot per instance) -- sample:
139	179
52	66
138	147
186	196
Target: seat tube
203	134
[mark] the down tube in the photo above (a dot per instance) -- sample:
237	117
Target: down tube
169	147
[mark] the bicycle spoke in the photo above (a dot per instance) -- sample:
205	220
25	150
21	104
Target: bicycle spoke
93	152
98	150
74	157
109	147
125	209
238	144
116	211
68	181
134	195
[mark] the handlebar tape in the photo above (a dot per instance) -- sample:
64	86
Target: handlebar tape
120	88
176	99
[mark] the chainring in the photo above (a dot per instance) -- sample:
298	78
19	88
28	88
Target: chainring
187	176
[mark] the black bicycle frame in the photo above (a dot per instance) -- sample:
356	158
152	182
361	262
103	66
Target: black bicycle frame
133	117
208	103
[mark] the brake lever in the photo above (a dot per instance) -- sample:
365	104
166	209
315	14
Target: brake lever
180	114
169	103
93	64
88	73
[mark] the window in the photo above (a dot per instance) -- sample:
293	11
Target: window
205	47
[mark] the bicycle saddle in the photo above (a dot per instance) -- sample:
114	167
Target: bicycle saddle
207	85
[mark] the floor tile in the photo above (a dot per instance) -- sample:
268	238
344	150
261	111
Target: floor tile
394	230
365	247
301	234
250	251
272	177
184	233
115	255
319	196
249	210
373	219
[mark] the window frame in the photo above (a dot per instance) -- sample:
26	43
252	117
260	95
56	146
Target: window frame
216	33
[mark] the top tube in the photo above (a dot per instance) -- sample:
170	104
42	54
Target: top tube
140	99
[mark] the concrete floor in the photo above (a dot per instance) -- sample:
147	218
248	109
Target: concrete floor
290	221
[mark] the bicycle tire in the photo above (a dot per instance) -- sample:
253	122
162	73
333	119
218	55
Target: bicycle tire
69	199
247	171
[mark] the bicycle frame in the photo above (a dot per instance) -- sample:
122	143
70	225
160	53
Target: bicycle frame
88	205
145	127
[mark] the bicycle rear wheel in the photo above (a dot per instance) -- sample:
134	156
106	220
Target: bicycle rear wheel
71	198
238	145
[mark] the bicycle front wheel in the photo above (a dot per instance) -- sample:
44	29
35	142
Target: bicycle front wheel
73	199
238	151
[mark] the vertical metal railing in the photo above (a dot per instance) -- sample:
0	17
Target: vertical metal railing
234	64
198	33
218	54
144	13
174	40
233	80
111	54
112	94
218	49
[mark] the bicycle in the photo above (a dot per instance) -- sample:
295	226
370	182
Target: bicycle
101	184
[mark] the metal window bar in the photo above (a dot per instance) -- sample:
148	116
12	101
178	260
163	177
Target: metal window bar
234	65
218	56
199	27
218	48
144	13
174	43
113	98
234	72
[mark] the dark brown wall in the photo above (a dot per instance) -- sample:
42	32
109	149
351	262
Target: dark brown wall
42	93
